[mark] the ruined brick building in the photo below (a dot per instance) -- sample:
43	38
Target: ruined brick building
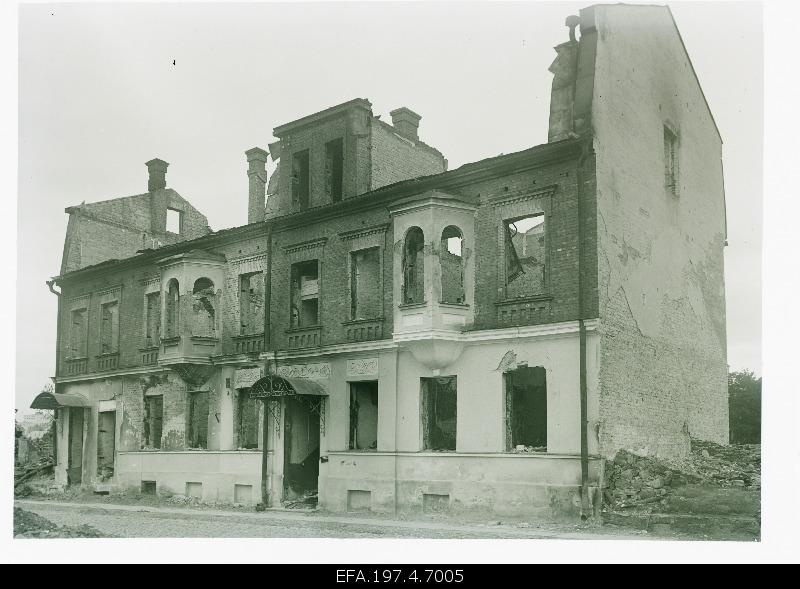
401	337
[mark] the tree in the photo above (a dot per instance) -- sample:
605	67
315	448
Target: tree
744	406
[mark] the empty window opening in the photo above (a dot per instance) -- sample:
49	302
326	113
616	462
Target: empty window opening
526	409
451	263
670	161
174	221
248	413
251	303
77	333
300	179
172	309
152	333
153	419
439	413
334	169
363	415
366	300
148	487
414	267
106	432
109	330
358	500
203	307
525	256
197	417
305	294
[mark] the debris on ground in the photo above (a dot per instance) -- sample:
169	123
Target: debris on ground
26	473
307	500
31	525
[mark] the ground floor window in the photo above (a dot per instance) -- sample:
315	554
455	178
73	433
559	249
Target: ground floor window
526	409
153	419
439	413
363	415
197	416
248	411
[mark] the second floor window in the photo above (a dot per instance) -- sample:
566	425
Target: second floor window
366	299
109	329
300	179
204	311
152	333
305	294
172	310
251	303
525	256
414	267
451	262
77	333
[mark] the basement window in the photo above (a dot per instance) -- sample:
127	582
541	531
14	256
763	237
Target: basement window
363	415
77	333
305	294
174	221
300	179
251	303
366	300
197	417
451	263
109	330
334	169
526	409
439	414
670	161
152	333
248	413
524	256
153	420
414	267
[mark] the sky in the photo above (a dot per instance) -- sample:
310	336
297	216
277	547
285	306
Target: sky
104	88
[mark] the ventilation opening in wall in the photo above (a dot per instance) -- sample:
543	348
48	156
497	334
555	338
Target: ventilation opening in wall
359	500
194	490
433	503
243	494
148	487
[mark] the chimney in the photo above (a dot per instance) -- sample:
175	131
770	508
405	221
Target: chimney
406	122
157	174
562	93
257	173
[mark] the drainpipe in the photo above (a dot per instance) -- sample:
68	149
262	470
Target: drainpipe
265	499
50	284
585	507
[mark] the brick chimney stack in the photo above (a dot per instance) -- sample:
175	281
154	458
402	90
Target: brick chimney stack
406	122
257	173
157	174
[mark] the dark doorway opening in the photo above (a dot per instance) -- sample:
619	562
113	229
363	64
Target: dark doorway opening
363	415
106	432
301	452
526	409
75	456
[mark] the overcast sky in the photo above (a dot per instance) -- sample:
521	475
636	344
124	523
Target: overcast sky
104	88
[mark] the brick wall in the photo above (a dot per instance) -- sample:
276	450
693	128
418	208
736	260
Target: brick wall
394	158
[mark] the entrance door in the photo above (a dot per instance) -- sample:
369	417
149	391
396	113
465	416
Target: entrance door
106	430
301	452
75	456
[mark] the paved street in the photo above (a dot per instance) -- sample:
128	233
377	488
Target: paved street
150	522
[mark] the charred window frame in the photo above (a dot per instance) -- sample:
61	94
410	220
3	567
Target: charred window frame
152	321
304	294
197	419
251	303
78	331
525	255
334	169
248	414
363	415
366	284
439	413
153	420
414	267
301	181
451	265
526	409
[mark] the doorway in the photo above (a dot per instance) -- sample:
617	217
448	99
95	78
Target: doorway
301	452
106	433
75	454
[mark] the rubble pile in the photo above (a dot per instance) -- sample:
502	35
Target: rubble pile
32	525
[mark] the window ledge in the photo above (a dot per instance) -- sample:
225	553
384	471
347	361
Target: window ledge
404	306
170	340
361	321
454	305
75	358
247	336
203	338
150	348
107	354
299	329
529	299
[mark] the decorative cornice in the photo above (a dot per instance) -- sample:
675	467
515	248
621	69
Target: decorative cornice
75	302
261	256
150	280
522	195
305	245
109	291
356	233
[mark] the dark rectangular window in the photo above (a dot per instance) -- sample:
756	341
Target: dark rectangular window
300	179
670	161
526	409
197	414
248	412
153	319
366	300
363	415
153	419
109	331
334	169
305	294
439	413
251	303
77	333
524	256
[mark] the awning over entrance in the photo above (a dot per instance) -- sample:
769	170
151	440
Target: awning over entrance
55	401
274	387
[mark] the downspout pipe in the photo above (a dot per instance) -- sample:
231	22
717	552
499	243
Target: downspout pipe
585	505
50	285
265	498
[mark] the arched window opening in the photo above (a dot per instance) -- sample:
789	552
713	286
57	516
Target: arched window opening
204	308
451	262
414	267
172	311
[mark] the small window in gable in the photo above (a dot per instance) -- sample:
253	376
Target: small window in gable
174	221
